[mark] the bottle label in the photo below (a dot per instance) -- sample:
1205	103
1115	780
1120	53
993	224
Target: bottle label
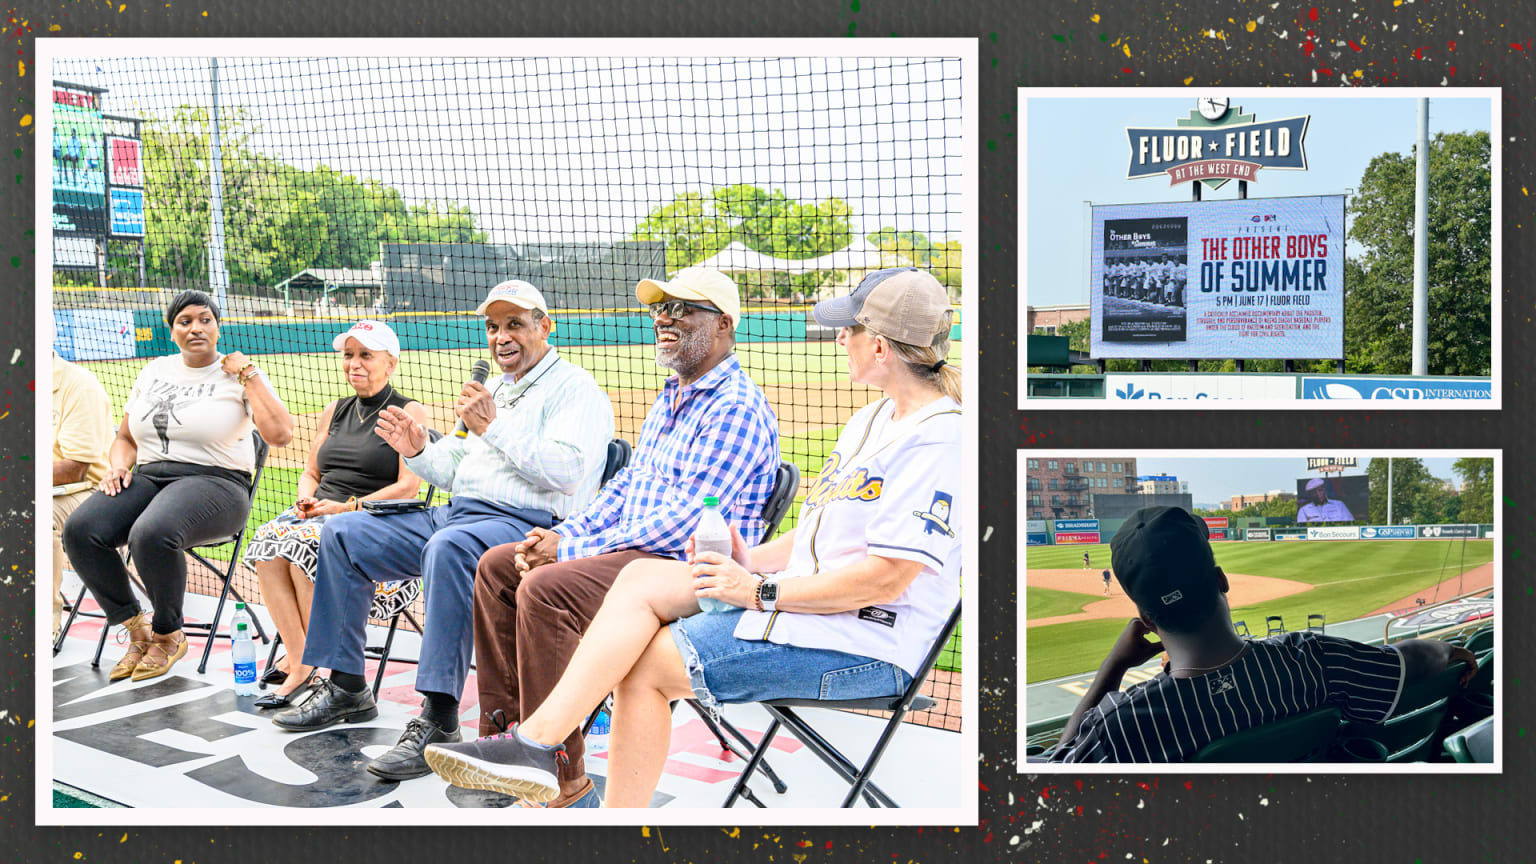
245	673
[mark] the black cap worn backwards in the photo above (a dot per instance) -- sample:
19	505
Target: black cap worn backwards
1162	558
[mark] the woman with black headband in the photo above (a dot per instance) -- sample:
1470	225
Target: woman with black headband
179	474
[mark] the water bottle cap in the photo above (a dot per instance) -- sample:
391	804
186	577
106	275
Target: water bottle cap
239	606
711	501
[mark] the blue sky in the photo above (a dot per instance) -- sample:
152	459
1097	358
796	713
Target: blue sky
1212	480
1078	152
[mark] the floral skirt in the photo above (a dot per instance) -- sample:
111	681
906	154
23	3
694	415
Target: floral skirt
297	540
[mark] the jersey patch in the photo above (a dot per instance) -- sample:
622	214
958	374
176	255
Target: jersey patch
878	615
857	486
1222	681
936	518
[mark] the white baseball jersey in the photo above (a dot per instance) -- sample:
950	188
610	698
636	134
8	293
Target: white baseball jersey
889	489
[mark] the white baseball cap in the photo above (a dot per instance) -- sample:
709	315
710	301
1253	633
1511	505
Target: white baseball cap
375	335
518	293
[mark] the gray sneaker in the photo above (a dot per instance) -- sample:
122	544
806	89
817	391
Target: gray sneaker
499	763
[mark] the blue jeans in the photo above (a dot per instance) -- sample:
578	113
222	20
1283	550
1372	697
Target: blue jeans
442	546
724	669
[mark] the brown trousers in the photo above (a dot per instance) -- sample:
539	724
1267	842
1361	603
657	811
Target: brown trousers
527	626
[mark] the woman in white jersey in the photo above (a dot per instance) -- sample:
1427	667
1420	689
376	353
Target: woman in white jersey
179	474
845	606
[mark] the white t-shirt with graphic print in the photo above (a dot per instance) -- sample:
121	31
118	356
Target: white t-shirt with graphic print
889	488
180	414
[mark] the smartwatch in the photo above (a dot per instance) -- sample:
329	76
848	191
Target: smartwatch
768	594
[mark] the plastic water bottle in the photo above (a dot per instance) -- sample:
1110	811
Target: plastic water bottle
241	614
712	535
245	660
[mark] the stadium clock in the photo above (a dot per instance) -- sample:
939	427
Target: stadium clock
1213	108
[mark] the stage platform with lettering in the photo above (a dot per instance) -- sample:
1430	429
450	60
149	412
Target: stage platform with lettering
186	740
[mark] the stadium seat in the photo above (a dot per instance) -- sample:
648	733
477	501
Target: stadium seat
226	577
1472	744
1317	623
1242	629
1304	737
1275	624
858	777
1475	701
1411	733
1481	641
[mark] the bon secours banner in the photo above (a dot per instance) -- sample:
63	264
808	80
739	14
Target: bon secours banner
1250	278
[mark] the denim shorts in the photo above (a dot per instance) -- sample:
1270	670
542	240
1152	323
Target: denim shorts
724	669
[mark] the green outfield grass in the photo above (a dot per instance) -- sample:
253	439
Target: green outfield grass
1350	579
1048	602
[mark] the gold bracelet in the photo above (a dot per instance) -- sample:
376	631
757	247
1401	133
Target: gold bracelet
246	373
352	503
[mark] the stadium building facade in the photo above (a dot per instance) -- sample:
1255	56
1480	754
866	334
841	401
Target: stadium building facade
1063	487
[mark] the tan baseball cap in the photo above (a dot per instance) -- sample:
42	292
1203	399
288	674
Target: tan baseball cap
695	283
518	293
901	303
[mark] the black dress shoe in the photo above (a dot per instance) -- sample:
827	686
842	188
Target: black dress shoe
405	761
274	676
274	700
325	705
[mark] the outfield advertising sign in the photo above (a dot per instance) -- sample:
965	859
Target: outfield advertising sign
1442	531
1290	536
1148	387
1214	522
1389	532
1395	389
1076	525
1252	278
1072	538
1037	539
1218	533
1333	532
1035	526
1258	534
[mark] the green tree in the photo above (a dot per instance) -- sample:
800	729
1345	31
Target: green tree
1476	488
1379	302
1409	479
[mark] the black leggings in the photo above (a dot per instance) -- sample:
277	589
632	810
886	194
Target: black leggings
167	507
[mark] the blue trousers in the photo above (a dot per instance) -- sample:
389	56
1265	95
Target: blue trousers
442	546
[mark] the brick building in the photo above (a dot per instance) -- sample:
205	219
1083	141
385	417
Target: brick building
1048	319
1059	487
1238	503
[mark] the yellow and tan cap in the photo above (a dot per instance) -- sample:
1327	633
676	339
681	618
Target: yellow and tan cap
901	303
695	283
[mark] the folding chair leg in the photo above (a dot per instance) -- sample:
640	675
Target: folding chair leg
779	786
74	611
101	645
873	759
213	628
261	682
830	756
389	641
739	788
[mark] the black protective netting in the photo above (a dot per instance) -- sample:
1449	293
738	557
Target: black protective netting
402	189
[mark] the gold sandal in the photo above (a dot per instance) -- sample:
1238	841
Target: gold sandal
163	653
136	648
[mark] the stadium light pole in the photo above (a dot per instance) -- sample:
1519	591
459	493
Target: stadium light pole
1421	246
218	276
1389	491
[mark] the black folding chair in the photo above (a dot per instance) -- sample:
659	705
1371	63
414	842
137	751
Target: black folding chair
1241	627
226	577
1317	623
858	777
1275	624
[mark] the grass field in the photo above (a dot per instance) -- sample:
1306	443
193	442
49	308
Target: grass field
1048	602
1349	579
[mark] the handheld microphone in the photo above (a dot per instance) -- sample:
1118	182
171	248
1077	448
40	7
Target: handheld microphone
477	374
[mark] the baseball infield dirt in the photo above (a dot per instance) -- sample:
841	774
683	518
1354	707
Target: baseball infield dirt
1245	590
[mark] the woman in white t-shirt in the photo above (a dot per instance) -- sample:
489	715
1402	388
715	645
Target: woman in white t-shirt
179	474
851	601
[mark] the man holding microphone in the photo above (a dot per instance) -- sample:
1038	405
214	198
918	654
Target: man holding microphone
529	451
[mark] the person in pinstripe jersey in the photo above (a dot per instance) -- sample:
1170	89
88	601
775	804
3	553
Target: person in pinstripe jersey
530	451
1216	683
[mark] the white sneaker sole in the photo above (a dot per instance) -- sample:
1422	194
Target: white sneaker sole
467	772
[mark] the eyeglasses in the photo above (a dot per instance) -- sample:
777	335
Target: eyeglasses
678	308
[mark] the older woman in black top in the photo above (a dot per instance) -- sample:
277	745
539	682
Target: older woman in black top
346	463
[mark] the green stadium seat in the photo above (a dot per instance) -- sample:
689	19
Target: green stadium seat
1481	641
1472	744
1412	731
1305	737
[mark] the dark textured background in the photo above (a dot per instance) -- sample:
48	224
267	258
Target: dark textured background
1140	818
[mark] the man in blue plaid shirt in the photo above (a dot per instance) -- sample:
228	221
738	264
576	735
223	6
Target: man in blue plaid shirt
710	432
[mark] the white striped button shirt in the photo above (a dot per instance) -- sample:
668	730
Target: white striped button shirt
1170	719
544	451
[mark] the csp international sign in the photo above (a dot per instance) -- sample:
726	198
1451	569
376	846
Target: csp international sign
1388	532
1395	389
1249	278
